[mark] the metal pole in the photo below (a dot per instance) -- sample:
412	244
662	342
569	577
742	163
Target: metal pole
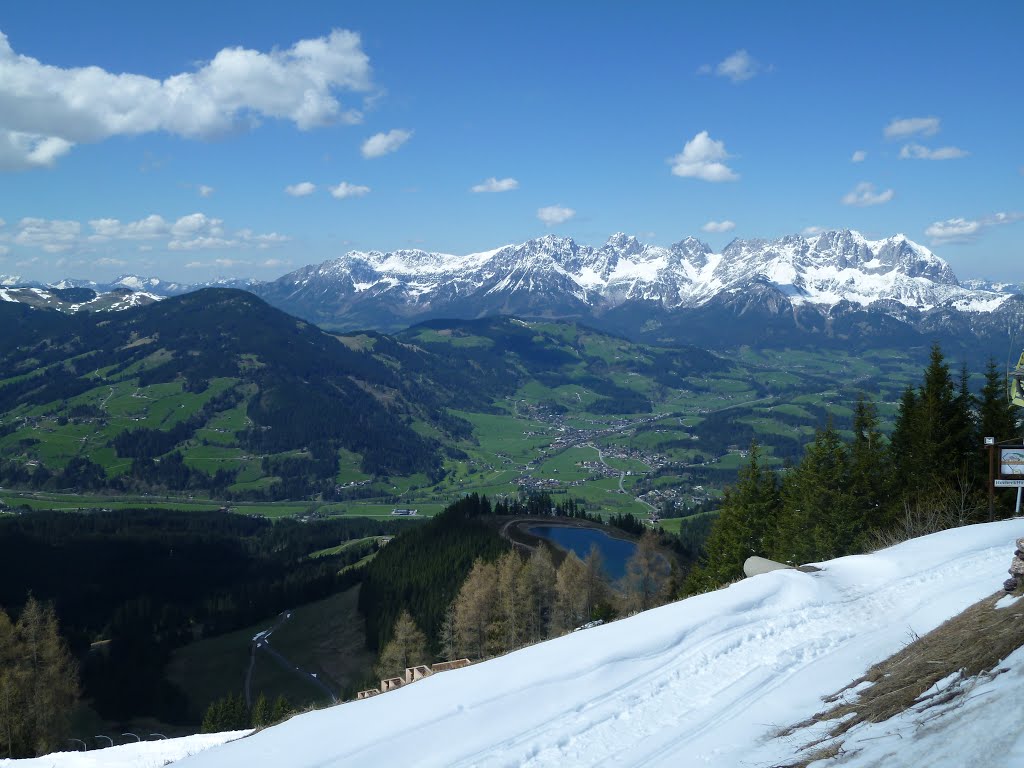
85	747
132	734
1016	512
101	736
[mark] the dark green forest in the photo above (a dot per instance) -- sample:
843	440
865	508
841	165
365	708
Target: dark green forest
848	495
151	581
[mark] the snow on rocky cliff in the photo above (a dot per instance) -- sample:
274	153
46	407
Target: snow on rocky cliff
824	269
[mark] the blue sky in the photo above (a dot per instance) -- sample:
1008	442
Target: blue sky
177	139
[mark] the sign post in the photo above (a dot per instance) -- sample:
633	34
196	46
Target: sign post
990	442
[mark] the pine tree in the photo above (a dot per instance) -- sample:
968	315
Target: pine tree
869	479
261	712
997	416
745	526
818	519
282	709
213	718
407	648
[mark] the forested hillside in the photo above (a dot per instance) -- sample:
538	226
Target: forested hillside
848	495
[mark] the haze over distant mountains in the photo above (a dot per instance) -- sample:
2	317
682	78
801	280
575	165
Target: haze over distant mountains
836	284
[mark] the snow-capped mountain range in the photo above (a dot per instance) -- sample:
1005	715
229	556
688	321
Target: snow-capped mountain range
836	284
824	270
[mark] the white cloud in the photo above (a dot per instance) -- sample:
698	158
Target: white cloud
203	242
385	143
701	159
961	230
196	224
223	263
719	226
109	262
864	195
2	223
248	237
495	185
738	67
918	152
811	231
301	189
344	189
205	190
4	250
859	156
52	236
151	227
899	128
45	110
196	231
20	150
270	263
555	214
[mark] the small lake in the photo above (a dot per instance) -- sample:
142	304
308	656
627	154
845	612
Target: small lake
579	540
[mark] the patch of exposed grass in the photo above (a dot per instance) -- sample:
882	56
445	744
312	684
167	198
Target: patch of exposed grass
967	645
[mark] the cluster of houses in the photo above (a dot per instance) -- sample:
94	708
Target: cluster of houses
412	674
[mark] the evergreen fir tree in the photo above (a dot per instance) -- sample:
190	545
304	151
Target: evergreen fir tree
282	709
817	520
744	527
869	479
213	717
997	416
261	712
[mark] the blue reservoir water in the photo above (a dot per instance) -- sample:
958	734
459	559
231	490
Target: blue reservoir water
579	540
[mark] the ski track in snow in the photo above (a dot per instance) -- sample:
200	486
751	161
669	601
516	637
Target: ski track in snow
703	682
630	722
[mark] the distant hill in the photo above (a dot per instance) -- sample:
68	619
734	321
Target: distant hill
217	391
220	370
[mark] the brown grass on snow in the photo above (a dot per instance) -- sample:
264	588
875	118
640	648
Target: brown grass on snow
973	642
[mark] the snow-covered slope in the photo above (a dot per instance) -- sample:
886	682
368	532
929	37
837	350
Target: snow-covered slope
701	682
141	754
823	270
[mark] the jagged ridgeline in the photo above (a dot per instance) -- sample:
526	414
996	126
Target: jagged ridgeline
219	392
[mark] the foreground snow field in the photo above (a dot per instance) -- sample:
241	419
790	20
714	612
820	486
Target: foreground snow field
700	682
703	682
143	754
